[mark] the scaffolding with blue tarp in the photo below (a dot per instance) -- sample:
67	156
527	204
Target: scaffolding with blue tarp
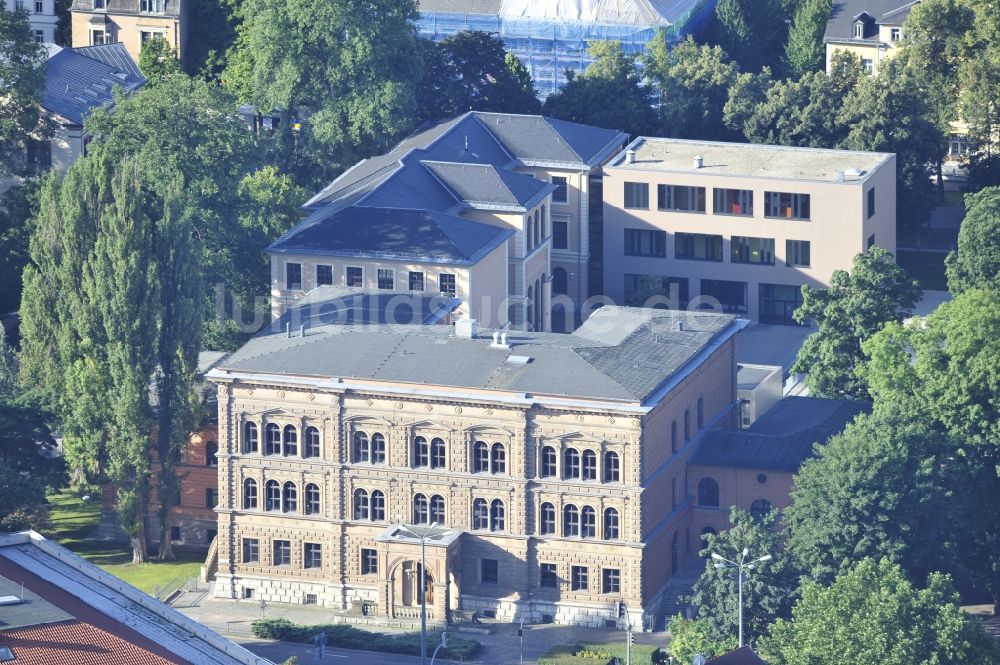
551	36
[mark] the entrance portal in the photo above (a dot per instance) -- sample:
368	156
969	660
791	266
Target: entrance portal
411	593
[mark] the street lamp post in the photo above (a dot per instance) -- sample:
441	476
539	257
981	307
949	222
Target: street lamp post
422	536
722	562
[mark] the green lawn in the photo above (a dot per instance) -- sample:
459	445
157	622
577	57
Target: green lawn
925	267
596	654
74	519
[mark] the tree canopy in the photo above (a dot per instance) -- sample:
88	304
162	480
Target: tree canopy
873	614
976	264
158	60
805	50
856	305
22	79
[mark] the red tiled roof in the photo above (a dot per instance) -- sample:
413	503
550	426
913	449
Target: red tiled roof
74	642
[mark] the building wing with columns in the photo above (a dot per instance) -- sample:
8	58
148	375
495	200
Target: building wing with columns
556	461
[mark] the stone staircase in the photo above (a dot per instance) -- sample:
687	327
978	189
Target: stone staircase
678	589
211	565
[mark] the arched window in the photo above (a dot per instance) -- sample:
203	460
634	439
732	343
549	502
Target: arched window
497	516
760	508
529	305
708	492
437	453
249	493
588	522
291	440
480	457
437	509
701	412
548	469
612	467
589	465
571	521
543	221
362	453
211	453
538	228
480	515
673	492
312	499
421	513
272	439
361	505
378	448
528	234
498	458
687	424
378	506
673	436
250	438
547	519
611	528
571	463
272	495
311	443
421	452
289	497
560	281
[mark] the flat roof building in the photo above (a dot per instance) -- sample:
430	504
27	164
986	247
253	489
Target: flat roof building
739	227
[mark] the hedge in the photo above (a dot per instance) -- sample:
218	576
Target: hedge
344	636
601	654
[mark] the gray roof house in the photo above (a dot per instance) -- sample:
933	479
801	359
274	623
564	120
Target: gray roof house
78	81
869	29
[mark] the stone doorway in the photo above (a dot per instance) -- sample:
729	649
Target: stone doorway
410	591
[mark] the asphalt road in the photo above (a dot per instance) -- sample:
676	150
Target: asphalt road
278	652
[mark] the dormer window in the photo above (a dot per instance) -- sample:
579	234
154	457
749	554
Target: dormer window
98	4
859	29
895	34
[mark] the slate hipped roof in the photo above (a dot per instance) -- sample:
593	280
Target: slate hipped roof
79	80
840	26
782	439
619	353
464	163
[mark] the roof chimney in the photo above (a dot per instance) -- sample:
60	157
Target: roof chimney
630	156
699	162
466	328
840	176
679	326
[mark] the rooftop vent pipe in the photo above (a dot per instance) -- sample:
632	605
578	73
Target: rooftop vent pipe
466	328
699	162
630	156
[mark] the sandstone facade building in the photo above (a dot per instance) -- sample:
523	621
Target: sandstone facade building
131	22
41	17
556	462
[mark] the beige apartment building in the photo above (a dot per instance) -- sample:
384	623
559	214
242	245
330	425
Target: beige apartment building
130	22
41	17
535	178
871	30
556	463
739	227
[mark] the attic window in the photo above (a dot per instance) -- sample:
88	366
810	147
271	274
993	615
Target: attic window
6	654
859	29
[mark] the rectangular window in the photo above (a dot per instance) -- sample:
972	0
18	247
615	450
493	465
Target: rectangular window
778	302
416	281
548	579
313	555
175	533
578	578
324	275
251	550
871	241
211	497
611	580
98	37
39	7
39	36
637	195
386	279
293	276
151	6
282	553
355	276
645	242
369	562
98	4
640	288
871	202
698	246
731	295
489	570
560	235
785	205
561	195
796	252
247	593
680	198
447	283
895	34
868	66
759	251
733	202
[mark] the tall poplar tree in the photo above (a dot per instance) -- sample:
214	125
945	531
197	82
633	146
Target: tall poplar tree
804	50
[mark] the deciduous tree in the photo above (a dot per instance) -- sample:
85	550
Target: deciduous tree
805	50
976	264
22	80
158	60
856	306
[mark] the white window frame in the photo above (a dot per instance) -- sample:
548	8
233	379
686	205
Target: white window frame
363	277
561	202
378	278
